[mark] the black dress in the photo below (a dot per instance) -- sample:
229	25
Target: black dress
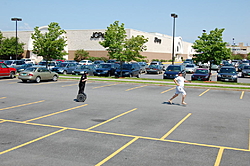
82	84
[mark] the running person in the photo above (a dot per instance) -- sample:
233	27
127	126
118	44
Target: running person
179	81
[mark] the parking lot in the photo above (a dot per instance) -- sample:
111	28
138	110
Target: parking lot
121	124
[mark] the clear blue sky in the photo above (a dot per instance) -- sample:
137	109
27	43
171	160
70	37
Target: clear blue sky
143	15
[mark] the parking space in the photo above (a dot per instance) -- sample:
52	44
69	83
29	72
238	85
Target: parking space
121	124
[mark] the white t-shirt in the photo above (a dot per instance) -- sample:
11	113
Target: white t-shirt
180	81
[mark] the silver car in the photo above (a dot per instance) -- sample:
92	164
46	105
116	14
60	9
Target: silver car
37	74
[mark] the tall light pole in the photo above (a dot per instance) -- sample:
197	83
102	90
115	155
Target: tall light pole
174	16
16	19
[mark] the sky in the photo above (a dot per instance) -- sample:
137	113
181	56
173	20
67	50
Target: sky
194	16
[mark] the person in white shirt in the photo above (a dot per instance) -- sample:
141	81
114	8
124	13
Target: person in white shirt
179	81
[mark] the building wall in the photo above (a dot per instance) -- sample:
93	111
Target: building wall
159	46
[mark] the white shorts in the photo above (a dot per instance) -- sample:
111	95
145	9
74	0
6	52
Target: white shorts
179	90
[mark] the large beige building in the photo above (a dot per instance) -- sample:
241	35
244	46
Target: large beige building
159	46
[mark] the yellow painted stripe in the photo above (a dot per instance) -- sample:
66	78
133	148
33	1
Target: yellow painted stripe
104	86
204	92
132	136
55	113
21	105
69	85
2	97
219	156
242	94
168	90
112	119
177	125
32	141
54	82
136	87
118	151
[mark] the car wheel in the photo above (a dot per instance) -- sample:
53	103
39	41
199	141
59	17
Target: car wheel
242	76
38	79
64	72
54	78
12	75
24	80
139	75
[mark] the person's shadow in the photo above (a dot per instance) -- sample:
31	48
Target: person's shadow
174	104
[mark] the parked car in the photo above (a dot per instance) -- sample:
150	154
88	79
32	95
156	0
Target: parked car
190	68
246	71
128	70
214	67
106	69
50	65
201	74
173	70
85	62
23	67
84	68
37	74
6	71
65	68
185	63
158	63
143	66
97	62
27	60
227	73
14	63
240	67
155	69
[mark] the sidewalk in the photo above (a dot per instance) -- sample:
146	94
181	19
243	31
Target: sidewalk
163	81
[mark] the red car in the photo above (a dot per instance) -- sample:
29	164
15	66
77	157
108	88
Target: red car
6	71
201	74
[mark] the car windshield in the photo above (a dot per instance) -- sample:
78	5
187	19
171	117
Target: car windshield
201	71
246	67
84	67
62	65
126	66
190	66
104	66
30	69
227	70
8	62
152	66
173	68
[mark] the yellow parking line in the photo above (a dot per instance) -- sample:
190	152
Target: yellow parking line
21	105
219	156
168	90
104	86
2	97
242	94
117	151
69	85
46	83
45	116
204	92
111	119
136	87
32	141
177	125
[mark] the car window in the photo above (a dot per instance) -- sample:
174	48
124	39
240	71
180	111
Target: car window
173	68
201	71
246	67
3	65
227	70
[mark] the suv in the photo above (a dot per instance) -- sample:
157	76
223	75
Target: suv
14	63
106	69
65	68
173	70
129	70
227	73
6	71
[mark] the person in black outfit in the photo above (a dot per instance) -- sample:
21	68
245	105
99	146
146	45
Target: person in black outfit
82	83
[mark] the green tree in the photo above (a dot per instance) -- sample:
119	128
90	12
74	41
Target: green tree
50	45
81	54
211	48
8	48
119	47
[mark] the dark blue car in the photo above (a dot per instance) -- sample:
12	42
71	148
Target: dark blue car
172	71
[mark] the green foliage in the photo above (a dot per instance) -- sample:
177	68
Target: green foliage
238	57
81	55
51	44
210	47
8	48
119	47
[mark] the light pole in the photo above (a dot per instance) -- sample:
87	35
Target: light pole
16	19
174	16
